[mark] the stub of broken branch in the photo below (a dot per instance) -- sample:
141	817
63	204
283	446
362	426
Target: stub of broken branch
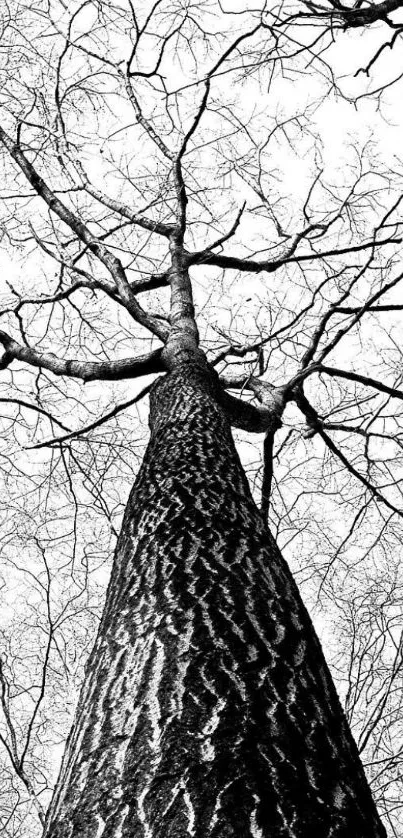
262	418
249	417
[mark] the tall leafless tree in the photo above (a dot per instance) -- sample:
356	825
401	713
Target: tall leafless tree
147	153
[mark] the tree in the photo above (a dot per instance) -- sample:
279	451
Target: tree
207	707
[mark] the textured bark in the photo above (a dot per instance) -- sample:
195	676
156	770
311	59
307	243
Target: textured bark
207	709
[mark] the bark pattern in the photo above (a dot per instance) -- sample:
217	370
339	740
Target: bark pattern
207	709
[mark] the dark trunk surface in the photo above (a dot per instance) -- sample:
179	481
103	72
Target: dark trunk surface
207	709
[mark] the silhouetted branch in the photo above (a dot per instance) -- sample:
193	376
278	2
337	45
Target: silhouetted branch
86	370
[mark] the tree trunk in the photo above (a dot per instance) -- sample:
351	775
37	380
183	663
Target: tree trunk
207	708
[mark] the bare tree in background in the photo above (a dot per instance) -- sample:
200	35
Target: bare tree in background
176	216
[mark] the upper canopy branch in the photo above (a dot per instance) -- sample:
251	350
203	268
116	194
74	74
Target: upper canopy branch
120	208
344	330
94	244
145	123
117	206
356	16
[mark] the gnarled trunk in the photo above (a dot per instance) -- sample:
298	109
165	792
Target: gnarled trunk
207	708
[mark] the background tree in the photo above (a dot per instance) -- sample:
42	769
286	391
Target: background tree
123	131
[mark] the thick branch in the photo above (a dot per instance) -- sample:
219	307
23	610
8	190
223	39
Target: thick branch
205	257
86	370
267	471
262	418
151	283
246	416
357	16
183	341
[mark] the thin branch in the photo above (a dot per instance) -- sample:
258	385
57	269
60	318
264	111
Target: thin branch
120	208
342	332
58	440
230	233
315	423
144	122
361	379
12	750
37	409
